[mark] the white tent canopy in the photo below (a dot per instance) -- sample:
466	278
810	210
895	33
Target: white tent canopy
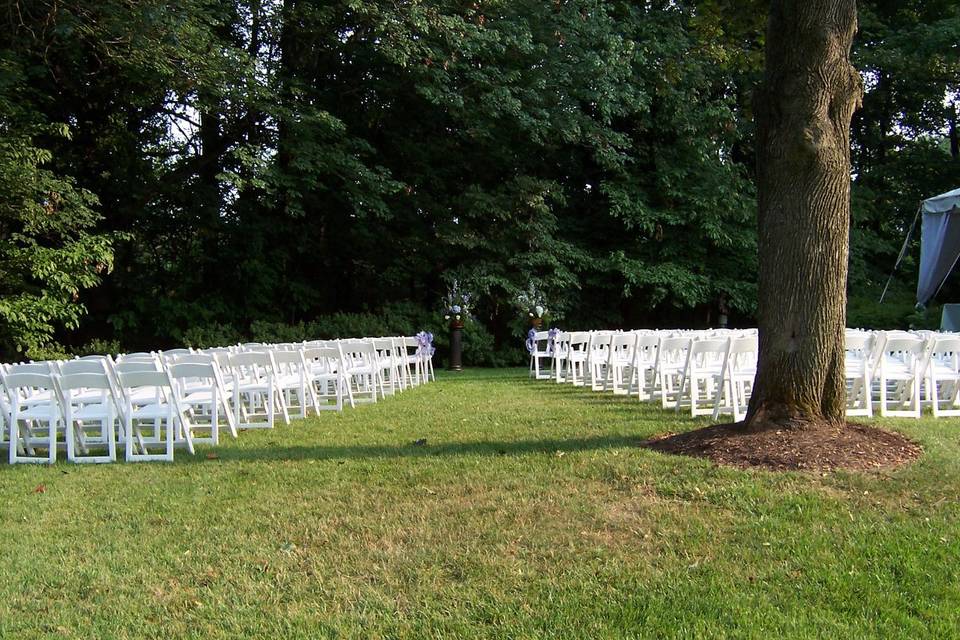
939	242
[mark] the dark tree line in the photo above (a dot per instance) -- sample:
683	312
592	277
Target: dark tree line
200	171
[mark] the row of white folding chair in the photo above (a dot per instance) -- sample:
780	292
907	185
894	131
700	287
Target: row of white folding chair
906	370
682	368
33	405
79	402
896	366
402	362
195	386
189	391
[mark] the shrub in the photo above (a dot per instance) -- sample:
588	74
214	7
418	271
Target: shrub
210	335
48	351
99	346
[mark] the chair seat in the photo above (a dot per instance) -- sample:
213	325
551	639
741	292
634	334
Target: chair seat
291	381
39	412
709	370
198	398
151	411
98	411
253	387
943	371
361	370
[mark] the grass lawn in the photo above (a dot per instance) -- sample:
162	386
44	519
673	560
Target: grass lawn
529	513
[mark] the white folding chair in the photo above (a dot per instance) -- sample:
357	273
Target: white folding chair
90	412
390	365
255	391
558	358
201	400
740	370
578	353
296	392
899	373
643	369
858	373
620	359
325	373
363	372
669	366
35	417
703	371
412	367
540	351
151	414
597	357
942	376
224	390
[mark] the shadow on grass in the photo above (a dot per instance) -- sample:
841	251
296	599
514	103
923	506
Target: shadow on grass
492	448
411	450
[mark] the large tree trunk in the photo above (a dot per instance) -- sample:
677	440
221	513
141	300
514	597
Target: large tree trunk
803	111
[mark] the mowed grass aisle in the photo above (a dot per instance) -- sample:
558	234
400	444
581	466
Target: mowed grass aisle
529	513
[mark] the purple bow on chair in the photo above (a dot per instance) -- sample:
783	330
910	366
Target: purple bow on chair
531	340
551	338
425	344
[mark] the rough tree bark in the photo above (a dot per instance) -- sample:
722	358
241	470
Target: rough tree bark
804	106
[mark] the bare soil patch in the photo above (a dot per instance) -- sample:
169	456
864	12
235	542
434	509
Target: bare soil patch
803	446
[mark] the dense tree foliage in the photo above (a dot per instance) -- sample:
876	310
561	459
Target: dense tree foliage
199	171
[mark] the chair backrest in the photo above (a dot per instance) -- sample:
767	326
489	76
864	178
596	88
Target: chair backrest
357	347
903	351
137	365
70	367
622	346
137	355
193	370
287	356
30	367
193	358
85	380
742	354
578	340
748	345
709	345
646	347
561	344
902	344
946	345
251	366
289	361
250	359
28	381
213	350
706	352
327	358
857	343
623	340
600	340
222	358
673	347
705	349
672	351
169	353
383	345
132	379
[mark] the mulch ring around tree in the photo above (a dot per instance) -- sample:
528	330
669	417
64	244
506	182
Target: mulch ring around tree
808	446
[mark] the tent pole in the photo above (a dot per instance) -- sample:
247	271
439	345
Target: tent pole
903	251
